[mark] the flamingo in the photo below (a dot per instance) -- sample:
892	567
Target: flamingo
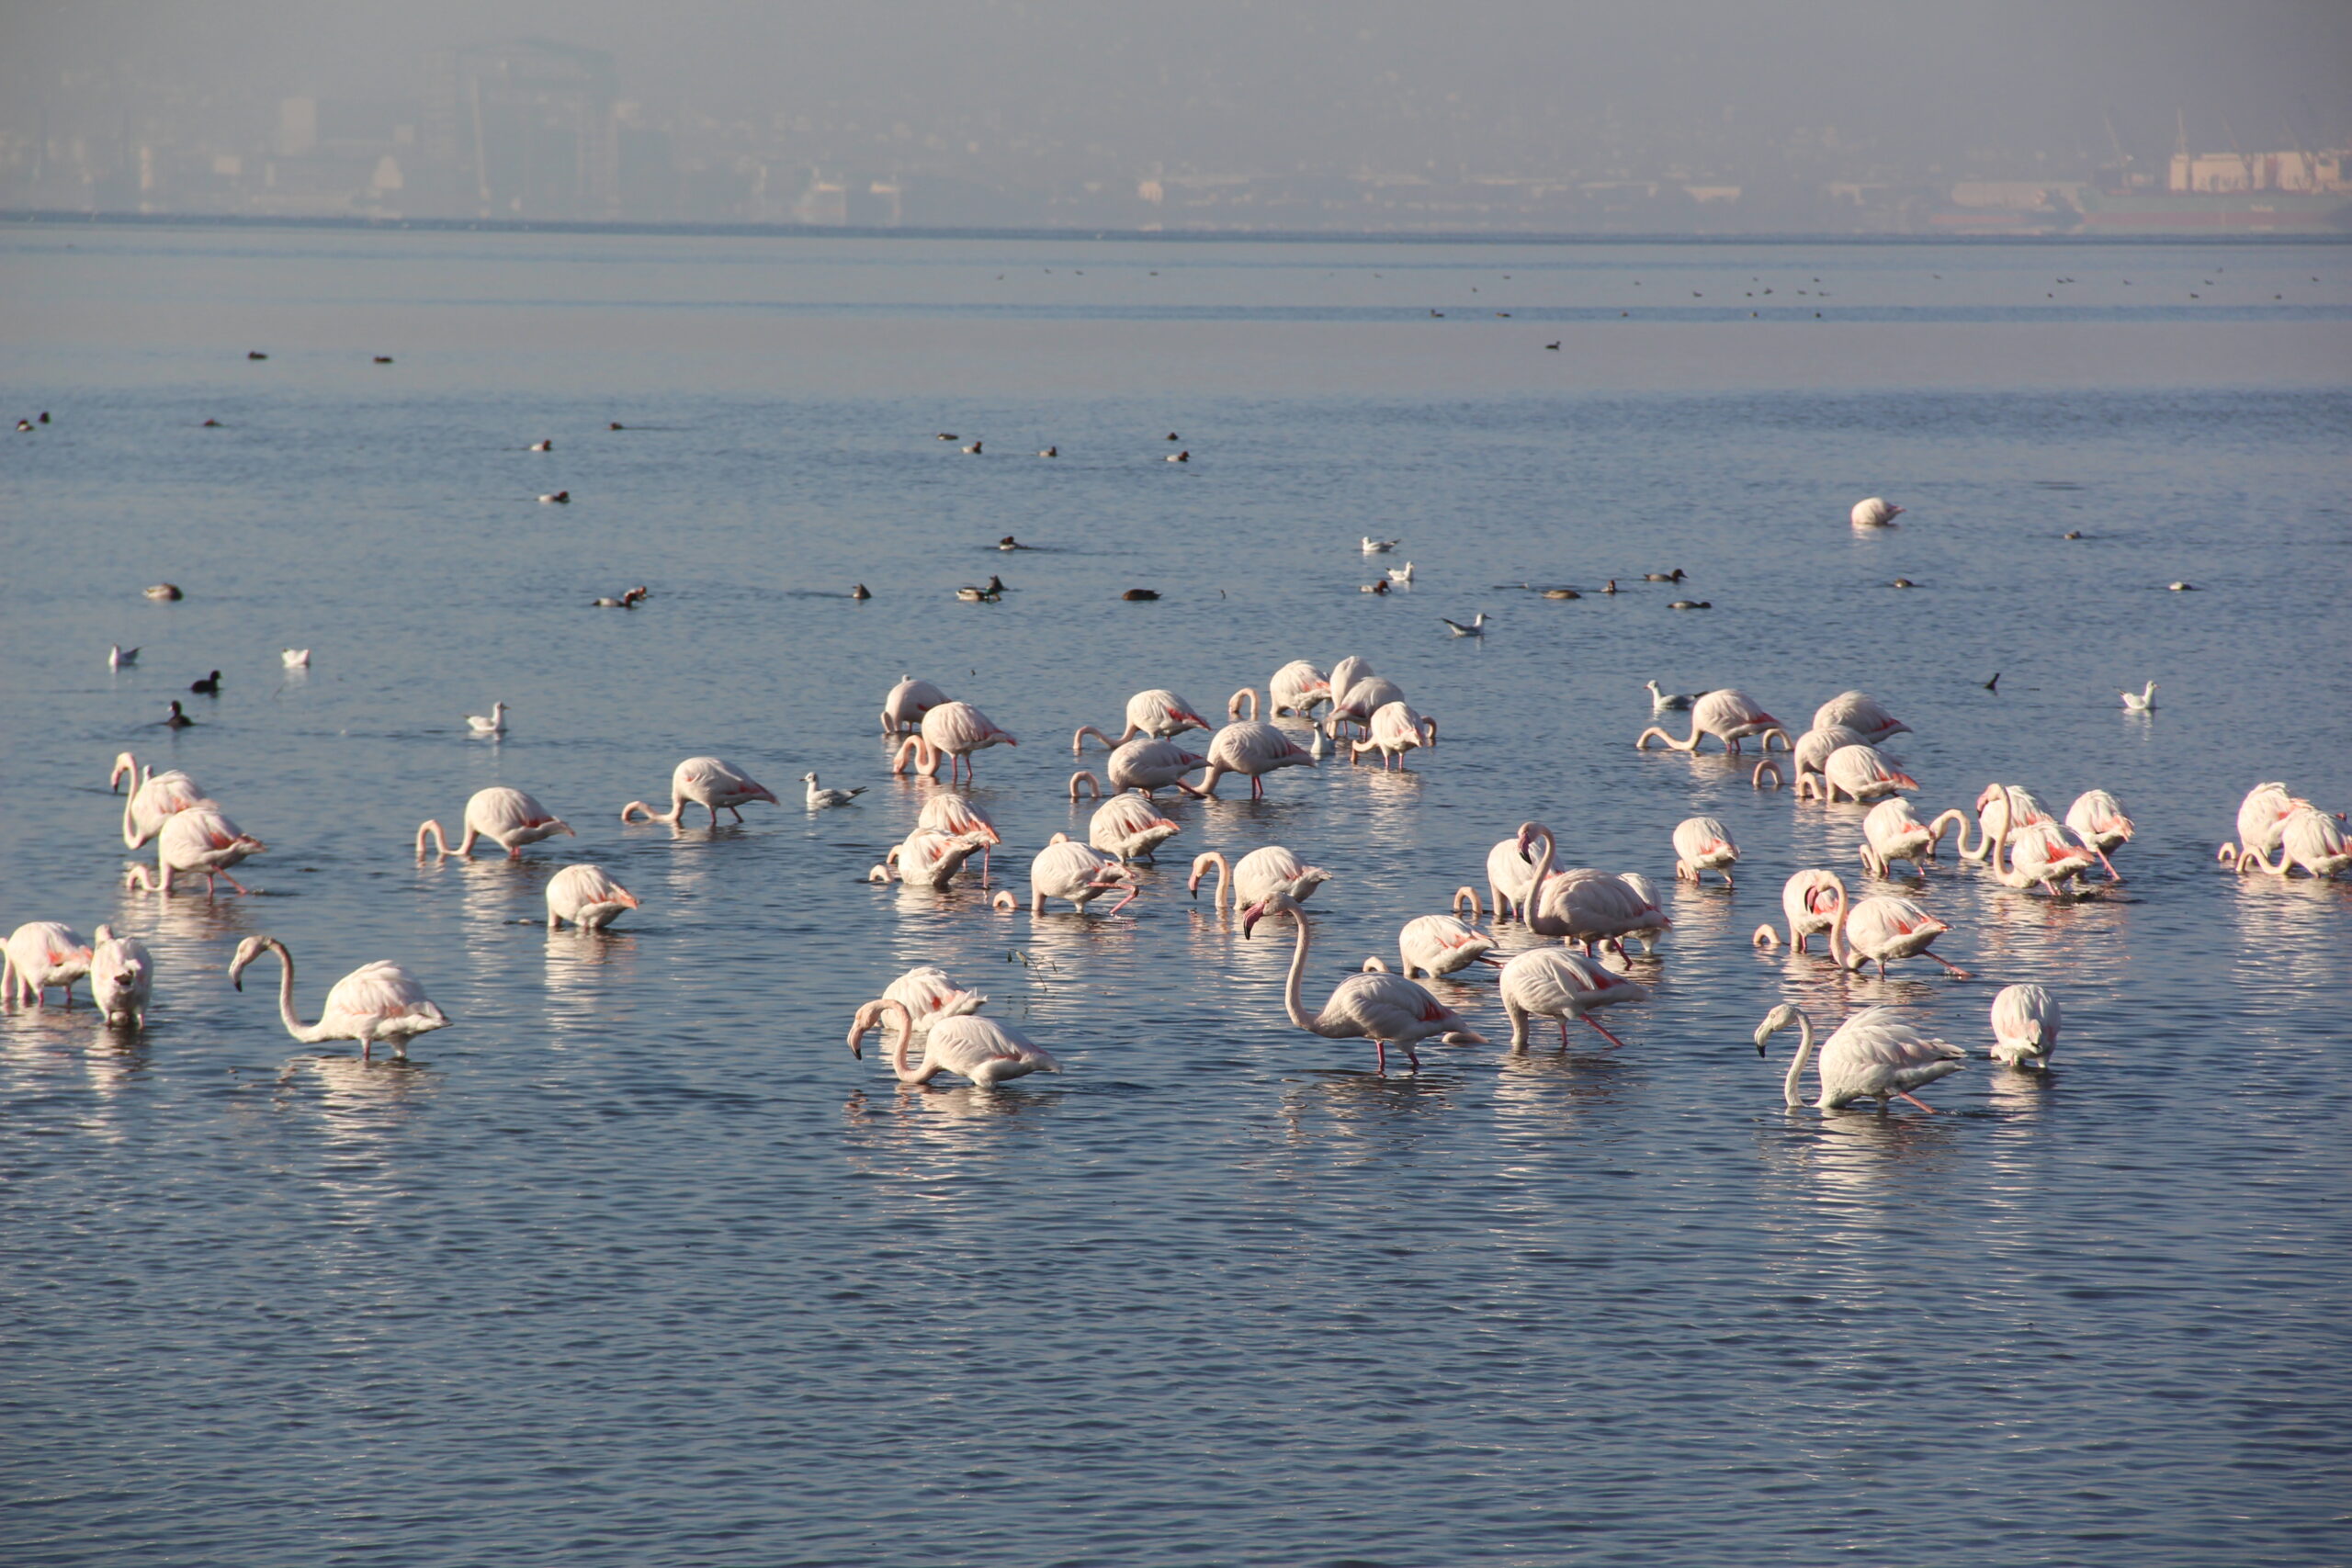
1552	982
1702	844
491	723
2042	853
1883	929
928	995
927	858
198	841
1394	730
1855	773
1809	900
1388	1009
954	730
952	814
2024	811
1509	876
1346	673
2310	839
38	954
1860	712
1148	765
1298	688
1261	874
1443	944
706	782
979	1049
2140	701
375	1001
1810	754
2025	1026
2262	819
2100	821
1875	513
154	797
1159	713
507	817
1581	903
1252	749
1079	872
122	975
906	703
1129	827
1872	1055
1653	921
587	897
1729	714
1367	695
1891	834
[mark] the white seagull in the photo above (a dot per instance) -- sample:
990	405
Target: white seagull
819	799
491	723
1477	626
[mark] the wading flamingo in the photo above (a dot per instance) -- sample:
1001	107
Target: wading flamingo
1249	748
1261	874
2024	811
122	975
979	1049
927	858
1147	766
2100	821
1808	755
153	797
1581	903
1652	922
1873	1056
953	730
2310	839
2025	1026
507	817
587	897
199	841
1158	713
928	995
2262	818
1129	827
2044	852
1386	1009
1552	982
1443	944
1365	697
1891	834
1809	901
954	815
906	703
1859	712
1394	730
1702	844
375	1001
1345	674
1297	688
38	954
1509	876
1875	513
1880	930
1730	715
706	781
1079	872
1855	772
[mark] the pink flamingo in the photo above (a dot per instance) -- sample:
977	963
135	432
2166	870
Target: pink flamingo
1345	674
1079	872
1809	755
1860	712
1298	688
1158	713
1148	765
198	842
1729	714
1855	772
1809	900
1875	513
2023	809
1891	834
2262	819
38	954
2025	1026
2310	839
153	797
1394	730
906	703
2100	821
1552	982
1702	844
1581	903
928	995
1388	1009
587	897
1883	929
1509	876
1443	944
953	730
979	1049
2042	853
375	1001
1130	826
507	817
706	781
1367	696
953	815
122	977
1251	749
1873	1056
1262	874
927	859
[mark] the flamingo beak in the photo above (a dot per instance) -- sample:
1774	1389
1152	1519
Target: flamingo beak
1250	917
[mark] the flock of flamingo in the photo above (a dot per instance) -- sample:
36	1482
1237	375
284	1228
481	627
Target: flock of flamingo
1578	919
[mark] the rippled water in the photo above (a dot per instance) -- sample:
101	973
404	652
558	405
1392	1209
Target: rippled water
636	1263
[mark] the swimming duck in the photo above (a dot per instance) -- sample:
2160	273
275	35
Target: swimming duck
1183	456
1051	452
556	498
1613	586
207	687
164	590
1562	593
2182	587
1140	595
177	719
383	359
973	450
860	592
1008	543
1903	582
1673	575
1692	604
1380	587
542	445
255	354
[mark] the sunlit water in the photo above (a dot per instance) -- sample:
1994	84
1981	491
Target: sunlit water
636	1263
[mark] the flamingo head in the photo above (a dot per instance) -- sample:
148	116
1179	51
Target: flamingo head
1779	1018
247	950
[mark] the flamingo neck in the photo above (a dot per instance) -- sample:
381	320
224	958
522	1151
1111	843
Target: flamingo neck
1293	1003
1960	822
1793	1087
906	1022
1222	899
305	1032
1837	949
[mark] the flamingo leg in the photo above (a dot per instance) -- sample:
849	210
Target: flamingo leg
1410	1055
514	852
235	884
1562	1022
1380	1058
1920	1103
1131	892
1958	973
1613	1042
714	816
1257	787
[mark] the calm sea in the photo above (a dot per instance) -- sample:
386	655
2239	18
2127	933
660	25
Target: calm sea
636	1265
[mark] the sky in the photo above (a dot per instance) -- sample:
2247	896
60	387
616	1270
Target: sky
1304	86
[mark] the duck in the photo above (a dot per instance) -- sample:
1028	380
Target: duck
1401	575
1008	543
1476	627
164	590
117	656
1372	546
383	359
255	354
2182	587
295	657
949	435
23	424
1174	436
1562	593
1140	595
859	590
617	424
636	596
543	446
1051	452
1692	604
210	425
973	450
821	799
207	687
2143	701
1673	575
556	498
609	602
2072	534
1613	586
1380	587
491	723
1183	456
1903	582
175	719
970	594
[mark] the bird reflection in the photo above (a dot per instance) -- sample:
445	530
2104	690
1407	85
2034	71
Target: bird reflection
358	1103
2295	921
1385	1110
1544	1091
1863	1153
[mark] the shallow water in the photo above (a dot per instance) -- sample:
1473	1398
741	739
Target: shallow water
635	1263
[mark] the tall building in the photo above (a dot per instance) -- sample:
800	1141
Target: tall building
524	129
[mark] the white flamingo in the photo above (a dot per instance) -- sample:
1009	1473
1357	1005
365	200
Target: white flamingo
1298	688
2310	839
927	858
375	1001
1872	1055
1810	754
2023	811
1891	834
1261	874
1158	713
1249	748
2025	1026
2100	821
1079	873
906	703
2262	820
1394	730
952	730
1552	982
2043	853
38	954
1809	902
1130	826
1386	1009
953	815
1855	773
587	897
1509	877
199	841
1582	904
1880	930
707	782
1702	844
1443	944
1147	766
979	1049
507	817
154	798
122	977
1859	712
928	995
1365	697
1729	714
1346	673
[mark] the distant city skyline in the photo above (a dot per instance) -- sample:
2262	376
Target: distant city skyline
1692	117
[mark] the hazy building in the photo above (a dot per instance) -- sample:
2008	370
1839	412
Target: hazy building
524	129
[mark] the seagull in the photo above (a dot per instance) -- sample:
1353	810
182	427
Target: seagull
491	723
1401	575
296	657
1477	626
1670	701
2140	701
1372	546
117	656
819	799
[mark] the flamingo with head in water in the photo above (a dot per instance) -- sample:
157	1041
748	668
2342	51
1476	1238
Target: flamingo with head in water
1859	712
972	1047
1252	750
1079	873
1140	764
507	817
1729	714
2309	838
707	782
1880	930
2025	1026
1159	713
1809	900
1386	1009
587	897
1394	729
1552	982
1702	844
1262	874
199	841
1130	826
1443	944
38	954
952	730
906	703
